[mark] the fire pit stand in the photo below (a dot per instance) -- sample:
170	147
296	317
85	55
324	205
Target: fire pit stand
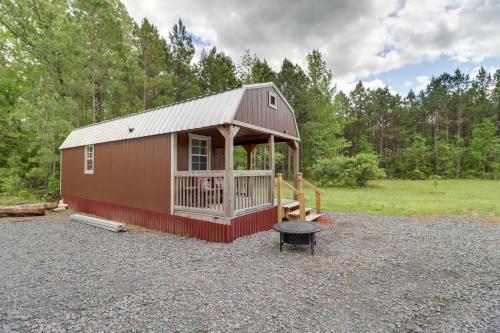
297	233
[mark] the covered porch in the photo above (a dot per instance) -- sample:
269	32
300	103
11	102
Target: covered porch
206	184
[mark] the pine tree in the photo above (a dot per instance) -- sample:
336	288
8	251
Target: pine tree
216	71
156	78
181	52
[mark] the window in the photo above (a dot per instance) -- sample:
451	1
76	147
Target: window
199	147
273	100
89	159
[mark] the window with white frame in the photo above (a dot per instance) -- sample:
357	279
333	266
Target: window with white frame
89	159
273	100
199	148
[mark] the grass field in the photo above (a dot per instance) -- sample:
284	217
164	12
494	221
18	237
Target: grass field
408	197
403	197
9	200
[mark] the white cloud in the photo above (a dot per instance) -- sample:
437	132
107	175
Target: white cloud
423	81
373	84
357	38
473	73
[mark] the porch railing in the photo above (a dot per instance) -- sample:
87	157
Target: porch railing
203	191
199	191
252	189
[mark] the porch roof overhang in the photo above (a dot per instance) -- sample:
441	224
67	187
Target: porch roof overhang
198	113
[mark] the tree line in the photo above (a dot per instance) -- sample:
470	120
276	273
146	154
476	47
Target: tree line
66	64
450	129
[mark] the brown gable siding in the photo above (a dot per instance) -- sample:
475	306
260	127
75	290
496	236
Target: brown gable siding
133	173
254	109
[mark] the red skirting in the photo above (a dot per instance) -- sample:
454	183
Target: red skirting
178	225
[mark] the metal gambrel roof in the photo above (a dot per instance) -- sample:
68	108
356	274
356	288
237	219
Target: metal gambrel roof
210	110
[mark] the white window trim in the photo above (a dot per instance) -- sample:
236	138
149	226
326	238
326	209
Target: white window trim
89	172
209	149
275	106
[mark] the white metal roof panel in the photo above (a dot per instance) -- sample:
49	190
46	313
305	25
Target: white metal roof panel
210	110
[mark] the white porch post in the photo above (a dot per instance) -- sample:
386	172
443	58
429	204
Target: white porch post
229	132
271	166
250	149
173	169
295	164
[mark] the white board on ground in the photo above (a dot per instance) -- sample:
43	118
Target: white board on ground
100	223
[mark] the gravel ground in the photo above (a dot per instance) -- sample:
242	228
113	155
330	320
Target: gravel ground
370	274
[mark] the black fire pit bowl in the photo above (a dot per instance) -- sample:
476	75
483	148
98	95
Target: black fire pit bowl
297	233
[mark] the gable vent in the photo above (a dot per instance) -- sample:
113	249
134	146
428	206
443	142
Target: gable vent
273	100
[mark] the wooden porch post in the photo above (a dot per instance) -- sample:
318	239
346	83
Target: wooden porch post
250	149
271	166
229	132
295	165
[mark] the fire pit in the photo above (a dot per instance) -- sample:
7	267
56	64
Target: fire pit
297	233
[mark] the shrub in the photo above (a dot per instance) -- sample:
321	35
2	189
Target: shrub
435	179
347	171
12	185
417	174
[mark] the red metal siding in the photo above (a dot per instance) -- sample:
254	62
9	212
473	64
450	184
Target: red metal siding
252	223
178	225
133	173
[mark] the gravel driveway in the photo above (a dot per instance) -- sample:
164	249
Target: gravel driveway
370	274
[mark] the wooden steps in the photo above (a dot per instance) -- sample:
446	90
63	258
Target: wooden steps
291	212
294	214
313	217
295	210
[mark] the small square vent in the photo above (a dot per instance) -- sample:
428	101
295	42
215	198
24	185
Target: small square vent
273	100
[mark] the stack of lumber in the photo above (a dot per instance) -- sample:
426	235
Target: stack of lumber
100	223
26	210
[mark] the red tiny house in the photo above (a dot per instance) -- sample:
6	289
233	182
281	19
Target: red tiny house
171	168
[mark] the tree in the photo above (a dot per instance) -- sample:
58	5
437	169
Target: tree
254	70
245	73
181	52
321	134
293	83
216	71
155	75
484	153
416	158
262	72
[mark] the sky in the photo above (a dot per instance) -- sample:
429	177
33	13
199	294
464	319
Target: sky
397	43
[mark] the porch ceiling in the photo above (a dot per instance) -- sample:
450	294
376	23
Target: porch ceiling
249	136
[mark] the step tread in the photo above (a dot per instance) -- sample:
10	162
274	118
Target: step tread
290	205
313	217
296	213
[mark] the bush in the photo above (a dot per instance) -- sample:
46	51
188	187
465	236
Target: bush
417	174
12	185
344	171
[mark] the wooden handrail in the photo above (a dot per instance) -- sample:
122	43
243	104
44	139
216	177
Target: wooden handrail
312	186
317	192
301	197
293	189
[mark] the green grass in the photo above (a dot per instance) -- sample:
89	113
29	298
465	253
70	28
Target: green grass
409	197
6	200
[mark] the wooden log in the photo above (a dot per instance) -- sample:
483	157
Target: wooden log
26	210
50	205
22	210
